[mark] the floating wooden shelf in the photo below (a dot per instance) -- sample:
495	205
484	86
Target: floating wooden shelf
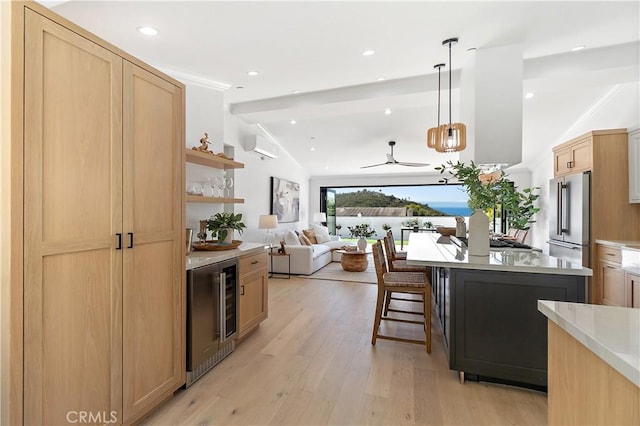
210	160
201	199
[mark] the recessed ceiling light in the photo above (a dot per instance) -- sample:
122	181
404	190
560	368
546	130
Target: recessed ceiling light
295	91
575	49
380	79
292	122
252	73
239	87
313	148
528	95
148	30
387	111
368	52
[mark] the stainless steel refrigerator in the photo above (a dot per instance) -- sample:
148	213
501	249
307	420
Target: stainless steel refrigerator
570	218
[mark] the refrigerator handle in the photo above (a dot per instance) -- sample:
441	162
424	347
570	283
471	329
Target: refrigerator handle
564	208
222	307
558	208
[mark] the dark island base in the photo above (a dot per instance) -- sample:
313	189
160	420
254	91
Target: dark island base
491	323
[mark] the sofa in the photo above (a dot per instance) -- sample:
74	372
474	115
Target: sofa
306	258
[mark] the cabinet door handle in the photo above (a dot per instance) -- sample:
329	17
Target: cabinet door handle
130	234
119	246
241	290
254	262
610	254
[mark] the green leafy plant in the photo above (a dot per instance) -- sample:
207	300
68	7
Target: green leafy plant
492	190
362	230
386	226
222	222
427	224
411	223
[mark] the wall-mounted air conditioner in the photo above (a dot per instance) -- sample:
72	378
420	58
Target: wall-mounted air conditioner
261	146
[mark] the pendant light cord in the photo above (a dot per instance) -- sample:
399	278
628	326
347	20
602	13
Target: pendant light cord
439	96
449	88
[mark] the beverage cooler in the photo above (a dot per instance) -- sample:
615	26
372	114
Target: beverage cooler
212	316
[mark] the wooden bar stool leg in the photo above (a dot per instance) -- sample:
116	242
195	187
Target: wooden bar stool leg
386	302
376	323
427	318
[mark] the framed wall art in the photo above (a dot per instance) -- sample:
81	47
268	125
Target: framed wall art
285	200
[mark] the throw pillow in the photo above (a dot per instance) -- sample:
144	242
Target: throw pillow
311	235
291	239
322	238
304	240
322	233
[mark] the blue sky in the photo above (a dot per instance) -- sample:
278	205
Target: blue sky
423	193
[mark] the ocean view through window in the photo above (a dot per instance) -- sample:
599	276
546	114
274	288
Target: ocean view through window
394	206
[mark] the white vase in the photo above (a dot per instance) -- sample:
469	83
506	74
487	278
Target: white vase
478	234
362	244
229	238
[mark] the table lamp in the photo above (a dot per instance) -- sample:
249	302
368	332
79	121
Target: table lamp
319	217
268	222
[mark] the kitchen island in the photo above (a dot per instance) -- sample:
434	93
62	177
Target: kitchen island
594	364
487	306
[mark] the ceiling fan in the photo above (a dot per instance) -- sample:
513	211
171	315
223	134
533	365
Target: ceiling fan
392	161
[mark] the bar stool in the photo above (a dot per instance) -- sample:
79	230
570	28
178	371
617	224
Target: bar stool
399	266
401	282
396	255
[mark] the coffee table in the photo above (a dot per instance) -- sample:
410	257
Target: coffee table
354	260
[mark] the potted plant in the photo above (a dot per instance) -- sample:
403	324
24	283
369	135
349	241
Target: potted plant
490	190
386	226
223	225
361	231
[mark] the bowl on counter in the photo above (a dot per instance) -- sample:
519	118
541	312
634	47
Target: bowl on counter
445	231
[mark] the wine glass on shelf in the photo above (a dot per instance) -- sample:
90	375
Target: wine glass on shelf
220	186
228	184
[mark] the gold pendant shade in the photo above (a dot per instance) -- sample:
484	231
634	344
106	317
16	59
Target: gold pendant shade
451	137
431	137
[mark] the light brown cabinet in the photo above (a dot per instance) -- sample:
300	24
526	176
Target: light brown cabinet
253	292
572	157
633	290
634	166
103	228
616	286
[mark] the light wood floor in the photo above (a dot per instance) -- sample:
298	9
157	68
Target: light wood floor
312	363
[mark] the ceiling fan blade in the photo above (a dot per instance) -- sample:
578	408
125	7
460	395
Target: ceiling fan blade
402	163
375	165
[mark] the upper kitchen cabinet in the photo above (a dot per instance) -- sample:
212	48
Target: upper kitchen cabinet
572	157
634	166
103	264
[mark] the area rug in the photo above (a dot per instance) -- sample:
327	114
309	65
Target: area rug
333	271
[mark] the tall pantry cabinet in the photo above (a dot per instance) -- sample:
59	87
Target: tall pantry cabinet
103	228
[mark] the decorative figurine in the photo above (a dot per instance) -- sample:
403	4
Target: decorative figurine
203	145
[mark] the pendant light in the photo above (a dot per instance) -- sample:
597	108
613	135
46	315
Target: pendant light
451	137
433	132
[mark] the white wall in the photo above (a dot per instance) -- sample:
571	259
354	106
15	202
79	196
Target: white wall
253	183
206	112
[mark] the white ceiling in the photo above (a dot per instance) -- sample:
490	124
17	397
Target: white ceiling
315	47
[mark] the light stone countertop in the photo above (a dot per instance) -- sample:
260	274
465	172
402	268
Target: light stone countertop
619	243
196	259
611	333
434	250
